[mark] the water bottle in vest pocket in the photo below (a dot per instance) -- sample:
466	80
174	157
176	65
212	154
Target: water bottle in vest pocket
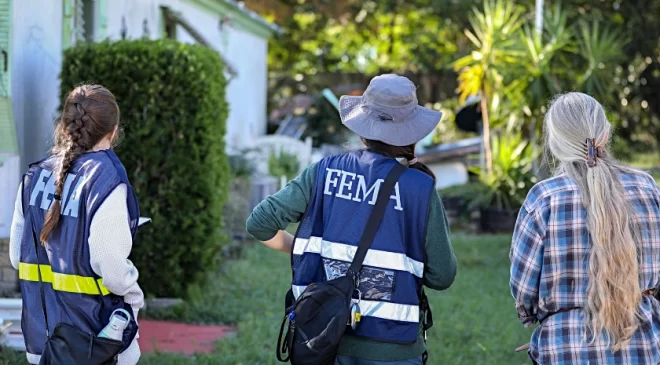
116	326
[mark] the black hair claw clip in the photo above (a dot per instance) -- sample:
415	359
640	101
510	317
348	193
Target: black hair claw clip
591	152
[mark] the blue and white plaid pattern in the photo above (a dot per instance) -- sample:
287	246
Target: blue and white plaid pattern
549	271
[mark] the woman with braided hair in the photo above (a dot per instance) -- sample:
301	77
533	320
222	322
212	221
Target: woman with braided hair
74	222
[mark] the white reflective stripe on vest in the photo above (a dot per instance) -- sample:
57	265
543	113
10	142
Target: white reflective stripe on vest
383	310
297	290
344	252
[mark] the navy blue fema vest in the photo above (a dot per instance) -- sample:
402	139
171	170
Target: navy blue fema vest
346	187
71	286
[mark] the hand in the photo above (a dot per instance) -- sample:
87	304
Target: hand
283	241
523	347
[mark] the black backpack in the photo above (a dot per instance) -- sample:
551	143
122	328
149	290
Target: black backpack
318	318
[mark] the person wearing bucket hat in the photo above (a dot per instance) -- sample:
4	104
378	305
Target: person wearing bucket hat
333	198
388	112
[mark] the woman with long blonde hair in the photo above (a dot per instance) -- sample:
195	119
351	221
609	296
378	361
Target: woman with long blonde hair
585	257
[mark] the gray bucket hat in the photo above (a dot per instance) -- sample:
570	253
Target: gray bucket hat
388	111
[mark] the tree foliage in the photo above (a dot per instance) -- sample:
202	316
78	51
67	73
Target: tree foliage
607	48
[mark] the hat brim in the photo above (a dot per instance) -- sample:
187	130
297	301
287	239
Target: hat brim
419	124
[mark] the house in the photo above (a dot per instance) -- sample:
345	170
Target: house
33	34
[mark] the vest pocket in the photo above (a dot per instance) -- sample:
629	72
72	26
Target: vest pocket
375	283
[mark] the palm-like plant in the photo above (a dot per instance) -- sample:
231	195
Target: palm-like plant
602	50
480	72
543	65
543	70
506	187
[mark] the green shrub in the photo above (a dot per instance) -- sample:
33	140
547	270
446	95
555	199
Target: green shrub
283	164
173	108
506	187
241	167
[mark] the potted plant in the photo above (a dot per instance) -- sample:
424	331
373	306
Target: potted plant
501	192
283	164
456	199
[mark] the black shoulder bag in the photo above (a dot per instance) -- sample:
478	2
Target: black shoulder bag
318	319
68	345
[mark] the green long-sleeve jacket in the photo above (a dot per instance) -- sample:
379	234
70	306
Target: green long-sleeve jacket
288	206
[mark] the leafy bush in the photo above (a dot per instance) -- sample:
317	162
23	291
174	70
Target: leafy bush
172	100
240	165
324	124
283	164
506	186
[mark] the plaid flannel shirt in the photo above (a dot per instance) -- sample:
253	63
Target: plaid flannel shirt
549	271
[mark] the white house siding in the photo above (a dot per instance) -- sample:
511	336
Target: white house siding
36	58
134	13
9	177
247	92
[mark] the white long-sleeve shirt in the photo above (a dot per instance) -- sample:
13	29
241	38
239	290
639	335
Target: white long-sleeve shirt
110	243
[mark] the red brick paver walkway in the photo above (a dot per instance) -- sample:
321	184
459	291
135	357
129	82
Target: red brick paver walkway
179	337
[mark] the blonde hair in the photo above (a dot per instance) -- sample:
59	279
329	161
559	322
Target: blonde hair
613	293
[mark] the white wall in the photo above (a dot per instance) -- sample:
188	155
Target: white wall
247	92
134	13
36	58
9	180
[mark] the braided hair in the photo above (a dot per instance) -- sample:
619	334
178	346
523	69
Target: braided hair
90	114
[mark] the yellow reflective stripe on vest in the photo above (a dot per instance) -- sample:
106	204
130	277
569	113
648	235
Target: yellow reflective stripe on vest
61	282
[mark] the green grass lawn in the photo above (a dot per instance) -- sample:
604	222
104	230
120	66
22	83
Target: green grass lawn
475	322
656	176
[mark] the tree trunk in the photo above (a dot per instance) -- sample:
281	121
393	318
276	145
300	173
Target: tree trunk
486	132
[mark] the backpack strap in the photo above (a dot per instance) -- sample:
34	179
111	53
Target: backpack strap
376	216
